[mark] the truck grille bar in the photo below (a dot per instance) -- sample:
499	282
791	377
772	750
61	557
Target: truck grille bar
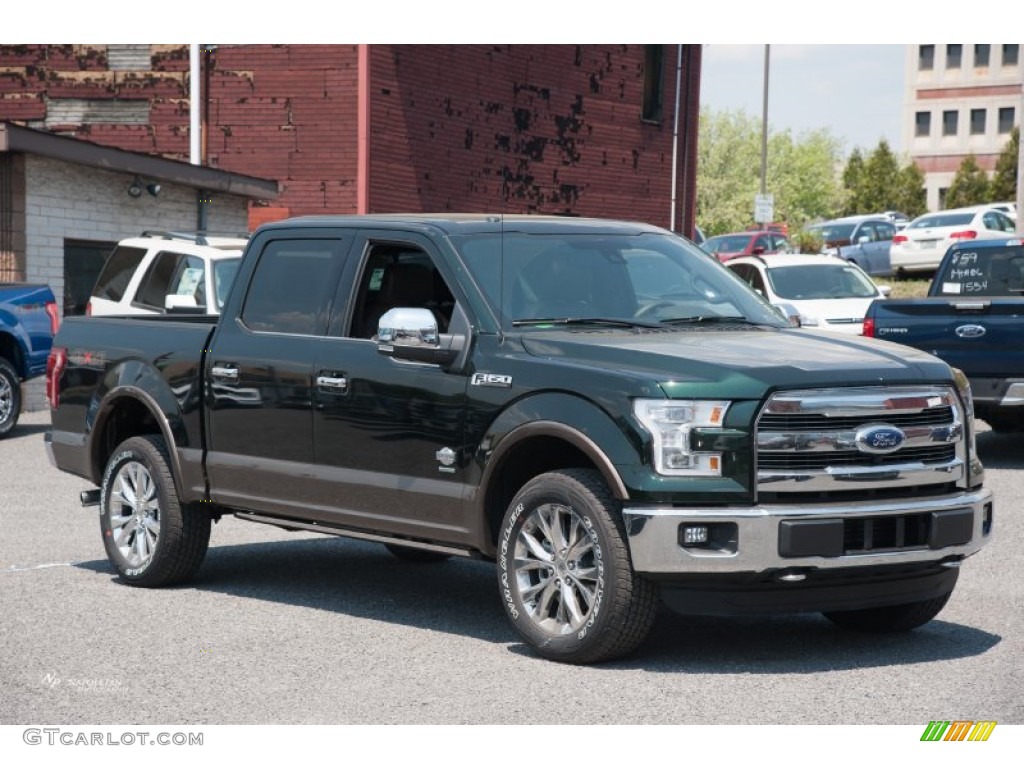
848	441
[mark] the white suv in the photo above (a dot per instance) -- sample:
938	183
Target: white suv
166	271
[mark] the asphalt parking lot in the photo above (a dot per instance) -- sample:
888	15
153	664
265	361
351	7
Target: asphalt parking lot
298	628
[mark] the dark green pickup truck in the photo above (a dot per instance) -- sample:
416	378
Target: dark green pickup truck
598	407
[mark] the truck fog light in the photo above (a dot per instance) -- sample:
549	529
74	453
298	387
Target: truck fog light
695	534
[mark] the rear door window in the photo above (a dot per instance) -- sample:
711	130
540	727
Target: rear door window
117	272
982	272
172	273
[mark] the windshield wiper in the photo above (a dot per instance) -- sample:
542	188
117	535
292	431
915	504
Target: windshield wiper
618	322
701	319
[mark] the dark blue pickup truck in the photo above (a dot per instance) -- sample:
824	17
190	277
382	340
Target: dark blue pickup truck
28	322
973	318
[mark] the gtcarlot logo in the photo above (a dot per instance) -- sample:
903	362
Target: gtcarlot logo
70	738
958	730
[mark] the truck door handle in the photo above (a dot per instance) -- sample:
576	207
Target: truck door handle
225	372
332	383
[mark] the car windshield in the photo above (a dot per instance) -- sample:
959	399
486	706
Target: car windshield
830	232
643	279
941	220
982	272
224	271
726	243
821	281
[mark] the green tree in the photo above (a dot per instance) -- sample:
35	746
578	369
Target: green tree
879	180
910	193
970	185
1004	182
801	173
853	179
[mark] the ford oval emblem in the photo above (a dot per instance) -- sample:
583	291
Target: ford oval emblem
879	438
970	331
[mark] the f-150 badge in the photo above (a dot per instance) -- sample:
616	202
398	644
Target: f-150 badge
491	380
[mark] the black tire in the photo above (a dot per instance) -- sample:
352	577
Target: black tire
174	536
413	555
1004	421
10	397
581	603
890	618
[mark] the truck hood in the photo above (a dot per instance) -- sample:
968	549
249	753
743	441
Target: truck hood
743	363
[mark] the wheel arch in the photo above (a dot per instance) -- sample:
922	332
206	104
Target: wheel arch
541	434
124	412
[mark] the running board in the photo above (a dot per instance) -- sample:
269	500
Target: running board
293	525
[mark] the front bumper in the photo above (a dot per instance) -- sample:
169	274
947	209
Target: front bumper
781	537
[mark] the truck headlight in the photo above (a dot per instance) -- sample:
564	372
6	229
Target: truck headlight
963	386
670	423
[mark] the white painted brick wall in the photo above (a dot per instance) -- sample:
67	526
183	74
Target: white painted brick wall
65	200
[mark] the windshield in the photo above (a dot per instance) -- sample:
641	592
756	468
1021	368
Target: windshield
942	220
821	281
726	243
982	272
643	279
224	271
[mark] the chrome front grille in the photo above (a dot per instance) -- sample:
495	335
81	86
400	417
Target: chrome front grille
858	440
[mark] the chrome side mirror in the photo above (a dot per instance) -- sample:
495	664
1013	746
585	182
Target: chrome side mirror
187	305
410	333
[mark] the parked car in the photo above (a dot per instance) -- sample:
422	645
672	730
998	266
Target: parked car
823	292
28	322
167	271
899	219
921	246
863	240
730	246
973	318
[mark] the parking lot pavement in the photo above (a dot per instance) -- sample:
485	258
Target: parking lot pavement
297	628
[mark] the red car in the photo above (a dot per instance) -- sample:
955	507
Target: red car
725	247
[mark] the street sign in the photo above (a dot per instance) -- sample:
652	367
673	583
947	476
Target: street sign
764	208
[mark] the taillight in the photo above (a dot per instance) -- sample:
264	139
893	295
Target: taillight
55	365
966	234
51	310
869	327
88	308
899	239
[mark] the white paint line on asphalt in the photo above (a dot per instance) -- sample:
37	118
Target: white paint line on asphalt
17	568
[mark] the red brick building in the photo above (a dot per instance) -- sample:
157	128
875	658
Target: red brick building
574	129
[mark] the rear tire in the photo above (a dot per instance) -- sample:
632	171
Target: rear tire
10	397
151	538
564	571
890	618
1004	421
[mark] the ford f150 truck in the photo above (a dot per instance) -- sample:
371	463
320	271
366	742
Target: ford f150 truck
973	318
28	321
596	406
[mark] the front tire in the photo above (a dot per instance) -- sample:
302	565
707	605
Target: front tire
564	571
890	618
10	397
150	537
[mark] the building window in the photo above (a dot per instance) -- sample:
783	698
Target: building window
926	57
922	123
953	53
977	122
1011	54
949	122
1006	119
981	54
654	59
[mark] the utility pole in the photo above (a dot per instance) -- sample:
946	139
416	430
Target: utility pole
764	127
1020	162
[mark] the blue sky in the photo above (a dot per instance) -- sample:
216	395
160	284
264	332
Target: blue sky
853	91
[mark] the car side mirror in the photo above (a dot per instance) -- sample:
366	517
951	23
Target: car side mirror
410	333
885	290
789	313
183	305
863	239
757	251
